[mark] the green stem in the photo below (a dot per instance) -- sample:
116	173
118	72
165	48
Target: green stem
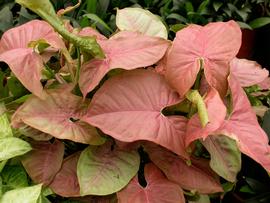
195	97
78	66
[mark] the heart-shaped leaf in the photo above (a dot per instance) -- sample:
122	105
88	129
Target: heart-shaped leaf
158	189
211	46
102	171
58	114
5	129
128	107
44	161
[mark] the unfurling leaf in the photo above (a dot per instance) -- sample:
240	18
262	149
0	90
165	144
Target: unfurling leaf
140	20
102	171
158	189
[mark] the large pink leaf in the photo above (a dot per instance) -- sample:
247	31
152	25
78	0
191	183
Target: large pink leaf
158	189
244	127
216	113
23	61
58	114
196	176
128	107
214	44
248	72
66	182
125	50
44	161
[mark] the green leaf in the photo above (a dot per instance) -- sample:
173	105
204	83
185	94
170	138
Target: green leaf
6	19
5	129
202	7
14	176
97	19
266	122
189	7
15	87
12	147
217	5
3	88
244	25
27	195
246	189
175	28
225	156
91	6
46	11
259	22
102	171
178	17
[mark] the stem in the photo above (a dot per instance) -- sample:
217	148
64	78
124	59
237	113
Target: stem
78	66
195	97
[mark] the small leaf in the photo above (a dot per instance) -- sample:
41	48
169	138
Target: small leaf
140	20
12	147
217	5
27	194
259	22
265	124
102	171
6	18
225	156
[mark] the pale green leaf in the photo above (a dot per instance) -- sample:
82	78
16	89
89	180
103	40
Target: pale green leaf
11	147
140	20
5	129
23	195
225	156
102	171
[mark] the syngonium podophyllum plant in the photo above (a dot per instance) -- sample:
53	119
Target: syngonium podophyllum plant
142	107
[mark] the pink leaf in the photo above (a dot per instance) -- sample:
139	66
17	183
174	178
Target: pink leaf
66	182
265	84
215	44
44	161
58	114
247	72
124	50
158	189
128	107
244	127
198	176
23	61
216	113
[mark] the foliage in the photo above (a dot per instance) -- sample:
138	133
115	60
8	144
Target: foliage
127	116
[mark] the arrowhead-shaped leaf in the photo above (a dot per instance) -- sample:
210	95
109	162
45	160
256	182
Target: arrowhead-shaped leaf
248	72
125	50
140	20
12	147
66	182
128	107
22	60
225	156
58	114
102	171
5	129
214	45
158	189
44	161
27	194
197	176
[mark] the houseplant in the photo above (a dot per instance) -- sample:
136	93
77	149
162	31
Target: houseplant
139	131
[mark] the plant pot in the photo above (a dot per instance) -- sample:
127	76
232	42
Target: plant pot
248	44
